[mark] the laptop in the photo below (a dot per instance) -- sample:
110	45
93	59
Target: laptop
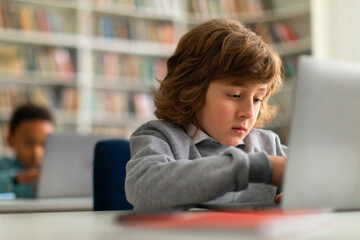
323	165
67	166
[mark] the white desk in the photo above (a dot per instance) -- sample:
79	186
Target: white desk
46	205
102	225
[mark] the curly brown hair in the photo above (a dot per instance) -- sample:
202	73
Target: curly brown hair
218	49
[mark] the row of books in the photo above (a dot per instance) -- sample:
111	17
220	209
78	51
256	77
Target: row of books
195	8
67	100
13	95
46	61
105	105
159	7
119	106
118	27
105	102
29	17
227	8
276	32
128	70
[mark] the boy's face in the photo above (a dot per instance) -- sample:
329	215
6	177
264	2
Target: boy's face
28	141
230	112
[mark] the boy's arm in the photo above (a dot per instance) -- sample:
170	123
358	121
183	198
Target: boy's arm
7	183
156	180
7	179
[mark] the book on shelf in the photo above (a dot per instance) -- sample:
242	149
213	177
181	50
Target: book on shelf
143	106
160	69
63	62
26	18
285	32
42	96
49	62
111	65
45	63
10	60
2	20
56	22
69	100
42	20
11	96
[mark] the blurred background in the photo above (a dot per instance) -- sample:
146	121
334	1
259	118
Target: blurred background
93	62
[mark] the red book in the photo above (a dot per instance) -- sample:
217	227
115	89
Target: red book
42	20
64	63
268	222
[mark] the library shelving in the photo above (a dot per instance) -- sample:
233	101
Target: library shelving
94	62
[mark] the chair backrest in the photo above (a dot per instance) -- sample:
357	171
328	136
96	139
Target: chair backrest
110	158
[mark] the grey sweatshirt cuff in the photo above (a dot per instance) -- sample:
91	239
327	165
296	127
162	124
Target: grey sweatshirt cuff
255	166
260	168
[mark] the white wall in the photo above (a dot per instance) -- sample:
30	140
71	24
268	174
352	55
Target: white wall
336	29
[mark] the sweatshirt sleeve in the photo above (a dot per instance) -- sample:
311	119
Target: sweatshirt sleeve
6	180
7	184
156	180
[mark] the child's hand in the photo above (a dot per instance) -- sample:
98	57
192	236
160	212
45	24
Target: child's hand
28	176
277	169
279	197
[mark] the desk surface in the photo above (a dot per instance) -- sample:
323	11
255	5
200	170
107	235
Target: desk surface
102	225
46	205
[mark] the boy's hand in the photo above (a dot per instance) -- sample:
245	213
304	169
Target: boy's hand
277	170
28	176
279	197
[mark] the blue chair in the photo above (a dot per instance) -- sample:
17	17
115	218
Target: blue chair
110	158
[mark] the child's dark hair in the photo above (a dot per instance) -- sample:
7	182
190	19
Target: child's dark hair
29	112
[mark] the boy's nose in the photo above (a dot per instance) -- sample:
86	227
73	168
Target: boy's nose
38	155
246	110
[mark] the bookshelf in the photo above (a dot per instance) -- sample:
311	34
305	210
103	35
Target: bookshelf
94	61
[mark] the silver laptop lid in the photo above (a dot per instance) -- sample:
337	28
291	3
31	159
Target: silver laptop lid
323	167
67	167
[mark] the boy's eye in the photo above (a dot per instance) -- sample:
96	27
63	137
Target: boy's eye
258	100
234	96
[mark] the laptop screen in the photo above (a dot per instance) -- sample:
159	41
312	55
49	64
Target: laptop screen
67	166
323	166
